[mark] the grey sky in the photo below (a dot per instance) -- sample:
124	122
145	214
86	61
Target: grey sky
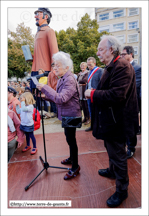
62	18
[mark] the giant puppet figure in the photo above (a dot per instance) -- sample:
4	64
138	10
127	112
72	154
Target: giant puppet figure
45	43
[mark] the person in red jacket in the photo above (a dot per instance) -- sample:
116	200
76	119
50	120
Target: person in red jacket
15	135
12	100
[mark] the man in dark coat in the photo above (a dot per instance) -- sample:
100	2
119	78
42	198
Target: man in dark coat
115	113
128	54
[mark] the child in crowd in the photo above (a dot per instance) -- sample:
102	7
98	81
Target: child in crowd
20	91
27	122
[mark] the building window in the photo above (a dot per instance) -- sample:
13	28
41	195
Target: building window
121	38
118	27
133	25
103	16
133	11
135	50
132	38
104	28
119	13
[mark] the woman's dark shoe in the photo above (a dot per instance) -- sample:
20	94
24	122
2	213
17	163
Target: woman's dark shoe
71	174
66	161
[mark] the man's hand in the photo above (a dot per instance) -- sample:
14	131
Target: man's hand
88	93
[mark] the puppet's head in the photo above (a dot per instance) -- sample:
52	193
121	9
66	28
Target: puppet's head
41	15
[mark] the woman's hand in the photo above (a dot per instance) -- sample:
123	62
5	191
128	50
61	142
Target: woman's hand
39	86
43	95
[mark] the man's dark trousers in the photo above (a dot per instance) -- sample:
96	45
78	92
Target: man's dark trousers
118	162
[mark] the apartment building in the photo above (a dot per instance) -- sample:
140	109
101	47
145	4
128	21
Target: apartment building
123	23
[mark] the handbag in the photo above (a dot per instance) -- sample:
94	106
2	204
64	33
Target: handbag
75	122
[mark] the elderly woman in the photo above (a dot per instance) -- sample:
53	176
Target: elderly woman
66	98
82	80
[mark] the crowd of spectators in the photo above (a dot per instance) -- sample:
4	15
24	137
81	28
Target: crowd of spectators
16	136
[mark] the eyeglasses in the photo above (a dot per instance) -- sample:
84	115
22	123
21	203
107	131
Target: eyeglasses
38	13
56	66
123	54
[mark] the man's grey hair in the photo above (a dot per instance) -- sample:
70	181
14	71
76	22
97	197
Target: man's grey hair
64	58
113	43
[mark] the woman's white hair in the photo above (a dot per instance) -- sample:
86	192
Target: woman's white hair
64	58
113	43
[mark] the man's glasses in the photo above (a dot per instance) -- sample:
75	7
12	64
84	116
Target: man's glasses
38	13
123	54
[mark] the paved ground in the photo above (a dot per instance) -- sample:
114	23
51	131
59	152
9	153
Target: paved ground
86	190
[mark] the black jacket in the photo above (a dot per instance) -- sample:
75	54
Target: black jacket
115	108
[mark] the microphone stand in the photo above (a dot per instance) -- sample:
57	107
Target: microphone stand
44	163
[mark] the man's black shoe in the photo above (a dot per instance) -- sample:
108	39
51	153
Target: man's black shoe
129	154
116	199
88	129
106	173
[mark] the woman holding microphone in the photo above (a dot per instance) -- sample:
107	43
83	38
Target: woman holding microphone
66	98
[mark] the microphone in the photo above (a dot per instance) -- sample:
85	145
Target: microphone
40	75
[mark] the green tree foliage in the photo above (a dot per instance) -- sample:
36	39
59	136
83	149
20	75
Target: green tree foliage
16	61
81	43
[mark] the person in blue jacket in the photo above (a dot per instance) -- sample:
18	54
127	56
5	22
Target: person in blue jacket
128	54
